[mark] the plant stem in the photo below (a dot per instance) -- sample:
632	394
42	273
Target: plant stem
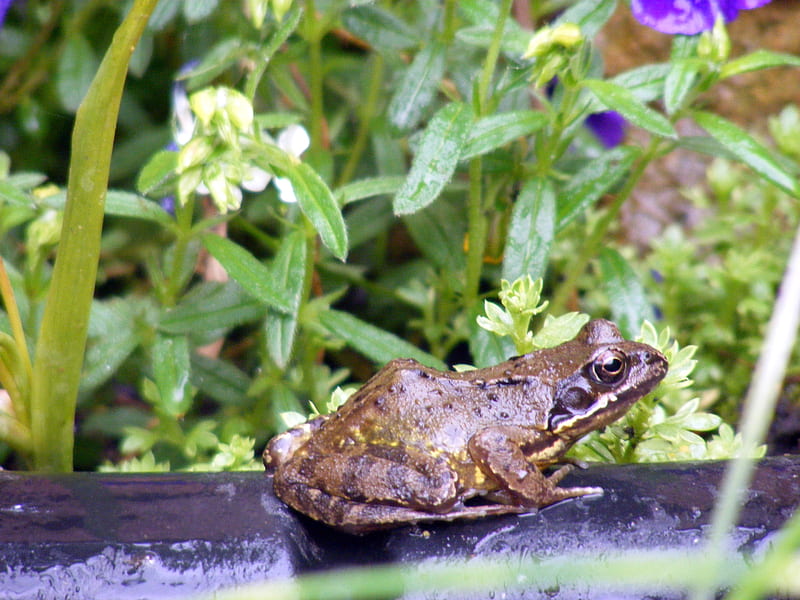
595	239
476	215
14	319
368	111
492	55
476	233
314	37
183	217
62	339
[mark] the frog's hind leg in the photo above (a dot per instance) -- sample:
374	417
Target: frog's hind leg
359	517
398	476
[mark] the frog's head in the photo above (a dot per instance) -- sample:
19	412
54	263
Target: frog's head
611	375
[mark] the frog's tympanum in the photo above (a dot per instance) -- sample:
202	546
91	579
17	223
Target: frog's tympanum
415	444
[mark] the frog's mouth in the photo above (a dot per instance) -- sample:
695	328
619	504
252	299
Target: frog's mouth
565	421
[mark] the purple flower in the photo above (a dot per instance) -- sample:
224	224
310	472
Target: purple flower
608	127
4	6
688	17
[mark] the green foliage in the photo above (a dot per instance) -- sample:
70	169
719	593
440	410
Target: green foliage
718	282
521	302
665	425
364	173
668	424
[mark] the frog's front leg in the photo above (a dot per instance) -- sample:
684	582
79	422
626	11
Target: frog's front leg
509	454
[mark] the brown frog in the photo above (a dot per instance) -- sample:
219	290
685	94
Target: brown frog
415	444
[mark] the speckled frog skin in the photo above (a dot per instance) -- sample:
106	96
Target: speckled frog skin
413	444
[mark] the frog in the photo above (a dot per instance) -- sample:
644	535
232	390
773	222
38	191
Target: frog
416	445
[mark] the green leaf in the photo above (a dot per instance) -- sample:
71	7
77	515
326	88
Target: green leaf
484	14
279	35
530	233
128	204
197	10
487	348
512	44
615	97
366	188
140	59
701	421
289	270
277	120
560	329
436	159
256	279
755	61
114	335
163	13
216	60
13	195
210	307
374	343
318	204
679	83
221	380
705	145
595	179
589	15
646	83
157	173
497	130
438	231
171	372
120	203
626	295
379	28
76	68
683	71
417	87
25	180
748	150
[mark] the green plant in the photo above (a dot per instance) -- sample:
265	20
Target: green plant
716	283
455	141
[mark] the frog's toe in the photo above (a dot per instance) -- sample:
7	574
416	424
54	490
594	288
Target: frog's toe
575	492
560	474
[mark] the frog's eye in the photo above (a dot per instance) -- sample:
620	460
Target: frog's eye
610	367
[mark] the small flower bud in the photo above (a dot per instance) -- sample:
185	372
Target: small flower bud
239	110
257	12
566	36
204	104
715	44
195	153
280	8
45	231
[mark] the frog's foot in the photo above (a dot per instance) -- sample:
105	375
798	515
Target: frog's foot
572	492
283	446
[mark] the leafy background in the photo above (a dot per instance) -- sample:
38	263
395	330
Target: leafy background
436	169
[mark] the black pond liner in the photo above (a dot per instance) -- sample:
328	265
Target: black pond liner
120	536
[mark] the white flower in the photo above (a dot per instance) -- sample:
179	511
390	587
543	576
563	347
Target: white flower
184	120
231	171
294	140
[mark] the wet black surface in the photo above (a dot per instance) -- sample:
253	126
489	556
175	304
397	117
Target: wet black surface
175	535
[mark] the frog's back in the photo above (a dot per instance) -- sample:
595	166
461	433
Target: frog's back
407	403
